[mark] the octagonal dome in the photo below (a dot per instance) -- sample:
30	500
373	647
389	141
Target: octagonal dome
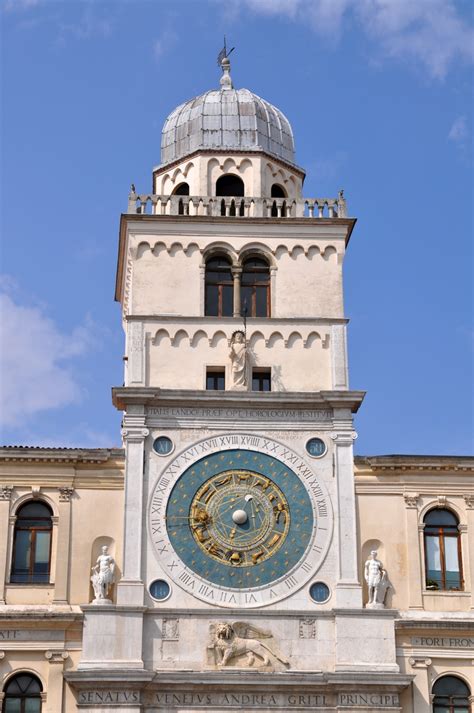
227	119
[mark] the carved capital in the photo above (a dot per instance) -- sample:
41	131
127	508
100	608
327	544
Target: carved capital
56	656
411	499
344	438
65	494
419	661
469	500
134	435
6	492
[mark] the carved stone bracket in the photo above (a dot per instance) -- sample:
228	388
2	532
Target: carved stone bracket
6	492
35	490
2	655
469	500
442	501
419	661
65	494
56	656
411	499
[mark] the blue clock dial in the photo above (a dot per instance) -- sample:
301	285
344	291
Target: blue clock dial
239	519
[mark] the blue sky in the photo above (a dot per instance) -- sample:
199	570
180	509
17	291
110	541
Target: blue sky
379	94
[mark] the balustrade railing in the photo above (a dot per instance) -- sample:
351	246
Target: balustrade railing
238	207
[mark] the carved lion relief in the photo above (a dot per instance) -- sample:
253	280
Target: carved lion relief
243	645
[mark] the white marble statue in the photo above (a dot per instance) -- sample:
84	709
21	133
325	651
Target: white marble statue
238	361
241	641
377	581
103	577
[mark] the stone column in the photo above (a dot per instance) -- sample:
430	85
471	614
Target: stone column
130	587
415	597
421	684
348	588
63	547
467	546
5	496
237	274
54	699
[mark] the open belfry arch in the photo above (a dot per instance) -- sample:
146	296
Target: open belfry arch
234	555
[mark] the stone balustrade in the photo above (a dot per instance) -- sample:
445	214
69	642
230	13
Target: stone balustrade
236	206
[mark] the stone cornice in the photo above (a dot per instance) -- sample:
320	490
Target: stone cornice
397	466
149	396
60	455
436	624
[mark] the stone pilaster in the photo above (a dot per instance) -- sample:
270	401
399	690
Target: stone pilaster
340	378
348	588
5	496
468	547
54	700
130	587
63	548
421	684
413	551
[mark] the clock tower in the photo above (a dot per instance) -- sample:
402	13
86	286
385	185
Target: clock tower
241	579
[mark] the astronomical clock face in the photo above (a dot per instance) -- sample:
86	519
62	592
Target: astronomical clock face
240	520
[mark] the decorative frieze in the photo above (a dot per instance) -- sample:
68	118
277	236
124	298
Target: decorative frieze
65	494
411	499
6	492
469	500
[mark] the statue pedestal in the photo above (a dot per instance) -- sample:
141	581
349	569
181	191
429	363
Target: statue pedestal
102	602
112	637
375	605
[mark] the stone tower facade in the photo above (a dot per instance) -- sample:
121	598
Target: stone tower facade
241	583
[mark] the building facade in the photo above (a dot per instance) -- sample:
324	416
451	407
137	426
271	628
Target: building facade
234	555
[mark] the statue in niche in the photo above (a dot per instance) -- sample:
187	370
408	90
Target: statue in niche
377	581
240	644
103	576
238	361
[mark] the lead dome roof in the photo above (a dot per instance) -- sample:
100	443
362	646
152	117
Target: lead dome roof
229	119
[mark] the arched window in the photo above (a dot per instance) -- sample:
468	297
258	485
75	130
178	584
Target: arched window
229	185
277	191
255	290
32	544
219	299
450	695
442	550
22	694
181	190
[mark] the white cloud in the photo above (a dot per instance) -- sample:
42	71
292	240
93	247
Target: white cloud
459	131
164	43
427	33
10	5
35	368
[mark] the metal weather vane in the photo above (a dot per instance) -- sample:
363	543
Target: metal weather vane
223	53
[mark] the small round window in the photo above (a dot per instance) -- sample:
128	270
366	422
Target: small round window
319	592
160	590
316	447
163	445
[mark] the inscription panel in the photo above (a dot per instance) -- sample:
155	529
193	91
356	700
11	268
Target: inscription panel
444	642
